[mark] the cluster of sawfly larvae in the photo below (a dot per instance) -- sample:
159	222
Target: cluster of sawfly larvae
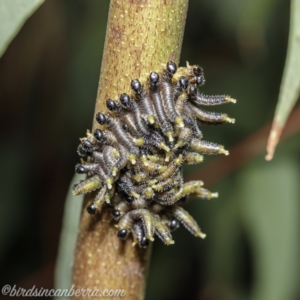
134	161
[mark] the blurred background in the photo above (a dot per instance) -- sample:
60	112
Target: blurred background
48	83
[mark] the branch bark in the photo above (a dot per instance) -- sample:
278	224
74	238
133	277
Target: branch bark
141	36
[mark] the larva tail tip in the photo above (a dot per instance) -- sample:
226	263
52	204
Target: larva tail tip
229	120
179	144
224	151
179	122
133	161
164	147
169	134
151	120
214	195
199	159
201	235
228	99
162	169
152	182
109	183
144	160
114	171
75	193
169	242
168	157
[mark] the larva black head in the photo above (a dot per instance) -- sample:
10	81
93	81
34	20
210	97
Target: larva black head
198	71
81	152
144	242
86	148
101	118
111	105
122	233
128	198
183	82
174	224
125	100
79	169
86	145
116	214
125	127
171	67
91	209
154	78
136	85
192	90
200	80
98	134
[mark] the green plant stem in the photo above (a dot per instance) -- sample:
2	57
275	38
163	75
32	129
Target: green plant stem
141	36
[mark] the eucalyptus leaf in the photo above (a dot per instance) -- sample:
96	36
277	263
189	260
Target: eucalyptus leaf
13	14
68	238
290	85
269	202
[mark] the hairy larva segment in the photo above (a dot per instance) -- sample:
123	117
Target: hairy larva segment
208	100
106	137
167	98
185	189
152	167
141	176
165	185
139	203
121	136
138	235
204	194
162	231
181	103
145	102
127	118
133	118
100	199
184	137
110	157
193	158
187	221
172	168
120	209
207	147
165	125
144	216
210	117
87	186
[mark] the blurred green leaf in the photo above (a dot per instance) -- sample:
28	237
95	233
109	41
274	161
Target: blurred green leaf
251	30
270	211
68	238
290	85
13	201
13	14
